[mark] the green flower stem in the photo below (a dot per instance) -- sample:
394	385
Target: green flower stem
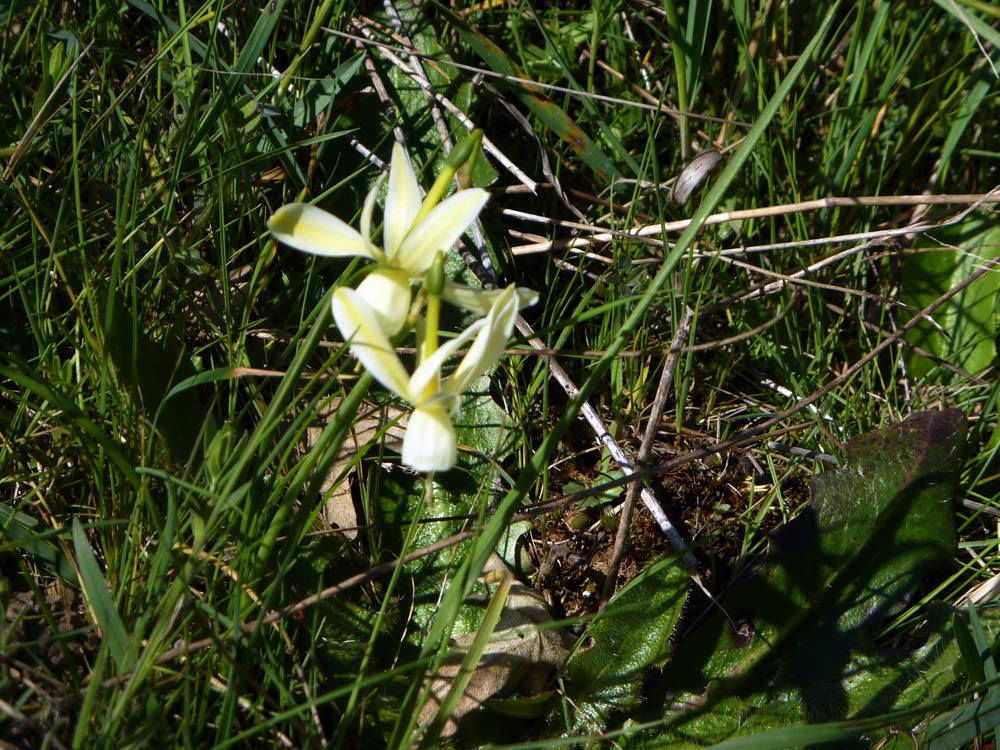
378	627
464	152
434	284
319	19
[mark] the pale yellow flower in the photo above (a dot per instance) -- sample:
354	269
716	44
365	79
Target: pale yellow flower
430	443
410	241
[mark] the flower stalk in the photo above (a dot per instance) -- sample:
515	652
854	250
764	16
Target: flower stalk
434	284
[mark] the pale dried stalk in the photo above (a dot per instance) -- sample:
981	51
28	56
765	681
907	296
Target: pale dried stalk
655	230
421	80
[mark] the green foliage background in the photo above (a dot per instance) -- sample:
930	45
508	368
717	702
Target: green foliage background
163	468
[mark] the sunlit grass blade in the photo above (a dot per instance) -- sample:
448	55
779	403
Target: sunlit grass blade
99	596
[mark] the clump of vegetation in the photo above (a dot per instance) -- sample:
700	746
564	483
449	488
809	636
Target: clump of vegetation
729	481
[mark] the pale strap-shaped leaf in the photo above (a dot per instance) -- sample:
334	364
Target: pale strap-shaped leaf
480	301
430	368
387	292
439	229
489	344
402	203
313	230
430	442
359	326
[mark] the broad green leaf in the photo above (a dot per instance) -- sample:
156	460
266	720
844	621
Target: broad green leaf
795	643
320	95
96	589
960	728
323	560
967	723
966	331
930	670
625	640
413	99
456	493
202	378
20	530
972	661
148	369
397	498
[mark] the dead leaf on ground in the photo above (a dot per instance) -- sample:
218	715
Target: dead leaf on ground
520	656
338	510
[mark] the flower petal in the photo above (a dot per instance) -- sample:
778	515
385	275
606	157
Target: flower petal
359	326
439	229
402	202
489	343
430	368
479	300
430	441
387	292
369	209
313	230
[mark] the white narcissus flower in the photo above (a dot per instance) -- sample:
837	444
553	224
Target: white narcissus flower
409	244
430	443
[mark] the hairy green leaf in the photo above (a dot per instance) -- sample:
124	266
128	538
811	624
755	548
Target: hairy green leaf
795	643
626	639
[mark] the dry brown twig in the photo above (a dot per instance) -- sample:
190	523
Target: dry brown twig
645	452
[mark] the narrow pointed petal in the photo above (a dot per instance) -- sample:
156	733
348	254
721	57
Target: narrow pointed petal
479	300
359	325
526	297
369	209
313	230
402	202
439	229
430	368
489	344
430	443
387	292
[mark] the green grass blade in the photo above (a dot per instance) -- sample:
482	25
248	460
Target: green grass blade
551	114
972	21
95	588
86	428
